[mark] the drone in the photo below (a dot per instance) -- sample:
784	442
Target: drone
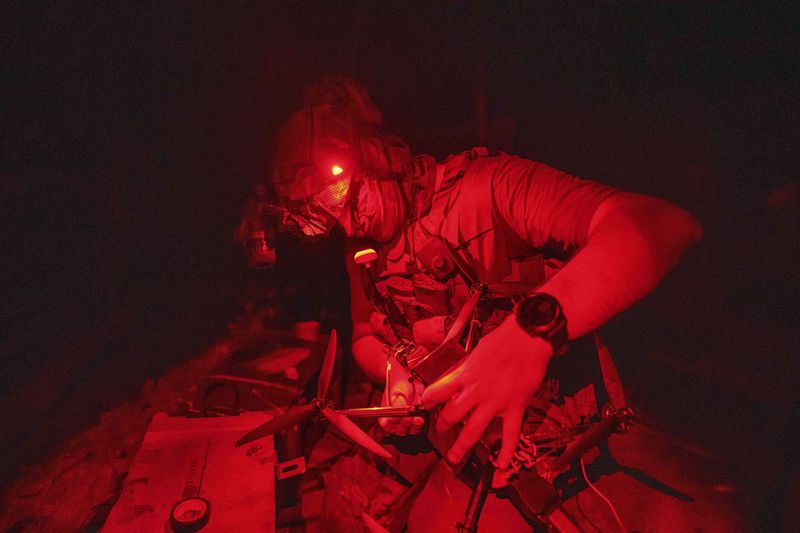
533	496
425	369
320	407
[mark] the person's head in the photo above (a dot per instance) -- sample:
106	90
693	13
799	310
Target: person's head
333	165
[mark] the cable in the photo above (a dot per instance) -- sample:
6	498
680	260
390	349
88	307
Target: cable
608	502
388	384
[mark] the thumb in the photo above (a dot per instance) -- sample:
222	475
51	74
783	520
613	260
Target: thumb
399	394
396	394
392	398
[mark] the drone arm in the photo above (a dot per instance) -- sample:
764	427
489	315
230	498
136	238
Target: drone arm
400	411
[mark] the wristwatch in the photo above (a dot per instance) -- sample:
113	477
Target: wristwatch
540	315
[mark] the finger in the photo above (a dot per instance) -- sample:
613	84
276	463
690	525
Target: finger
403	426
416	425
443	388
512	425
389	424
401	393
454	411
472	431
392	424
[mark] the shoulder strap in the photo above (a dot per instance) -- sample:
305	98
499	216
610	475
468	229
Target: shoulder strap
455	166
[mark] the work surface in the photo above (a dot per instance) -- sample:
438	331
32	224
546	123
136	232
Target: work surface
195	457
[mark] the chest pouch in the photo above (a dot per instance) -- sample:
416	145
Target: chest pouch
441	260
396	293
527	269
431	295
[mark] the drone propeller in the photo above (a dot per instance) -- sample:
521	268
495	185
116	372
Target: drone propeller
326	371
295	415
355	433
292	417
320	406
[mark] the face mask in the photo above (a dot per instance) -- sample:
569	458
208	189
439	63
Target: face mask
317	215
378	210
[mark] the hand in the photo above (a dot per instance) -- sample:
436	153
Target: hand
400	391
499	378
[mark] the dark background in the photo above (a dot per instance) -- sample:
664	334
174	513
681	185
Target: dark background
132	135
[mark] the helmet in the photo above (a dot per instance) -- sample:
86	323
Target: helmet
326	151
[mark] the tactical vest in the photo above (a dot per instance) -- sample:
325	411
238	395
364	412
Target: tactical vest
455	223
460	211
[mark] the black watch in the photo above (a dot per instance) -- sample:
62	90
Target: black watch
540	315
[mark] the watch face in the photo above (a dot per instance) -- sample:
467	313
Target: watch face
539	310
540	315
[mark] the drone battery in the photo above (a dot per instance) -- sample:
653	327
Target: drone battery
438	362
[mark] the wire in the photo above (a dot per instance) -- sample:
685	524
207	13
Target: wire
464	244
388	382
608	502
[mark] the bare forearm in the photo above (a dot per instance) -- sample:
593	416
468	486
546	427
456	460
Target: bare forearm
633	242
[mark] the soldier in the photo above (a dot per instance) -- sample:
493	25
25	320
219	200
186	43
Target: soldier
557	257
